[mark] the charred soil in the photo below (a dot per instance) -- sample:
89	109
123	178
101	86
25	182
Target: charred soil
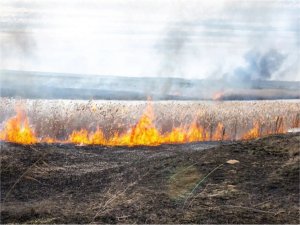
253	181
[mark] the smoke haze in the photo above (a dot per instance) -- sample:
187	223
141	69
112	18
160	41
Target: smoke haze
260	66
239	40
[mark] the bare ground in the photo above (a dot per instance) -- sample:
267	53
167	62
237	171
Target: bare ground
190	183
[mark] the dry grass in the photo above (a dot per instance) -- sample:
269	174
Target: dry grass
57	118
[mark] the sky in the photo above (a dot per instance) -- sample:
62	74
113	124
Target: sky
191	39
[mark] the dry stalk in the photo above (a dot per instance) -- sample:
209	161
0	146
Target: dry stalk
200	182
115	197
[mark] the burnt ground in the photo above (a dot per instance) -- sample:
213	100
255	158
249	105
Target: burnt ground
190	183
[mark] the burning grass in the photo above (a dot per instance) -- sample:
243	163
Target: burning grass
125	124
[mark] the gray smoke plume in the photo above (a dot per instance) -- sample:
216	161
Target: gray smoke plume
173	50
17	42
260	66
17	46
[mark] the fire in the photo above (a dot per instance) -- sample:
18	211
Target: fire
220	135
253	133
84	137
144	132
217	95
48	140
17	130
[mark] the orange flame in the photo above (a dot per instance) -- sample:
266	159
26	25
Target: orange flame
217	95
144	132
252	133
84	137
17	130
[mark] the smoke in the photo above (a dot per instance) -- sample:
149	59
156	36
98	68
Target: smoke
172	50
17	48
192	40
259	65
17	43
216	45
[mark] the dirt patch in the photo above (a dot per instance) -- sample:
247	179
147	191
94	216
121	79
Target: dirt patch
239	182
183	181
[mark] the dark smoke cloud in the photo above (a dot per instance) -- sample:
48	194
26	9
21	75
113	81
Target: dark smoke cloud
260	65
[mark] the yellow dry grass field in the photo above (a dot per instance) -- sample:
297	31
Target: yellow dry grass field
58	118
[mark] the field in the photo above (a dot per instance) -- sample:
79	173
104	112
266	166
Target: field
234	182
226	181
41	85
149	112
58	118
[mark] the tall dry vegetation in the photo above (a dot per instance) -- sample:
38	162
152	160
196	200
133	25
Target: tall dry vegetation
58	118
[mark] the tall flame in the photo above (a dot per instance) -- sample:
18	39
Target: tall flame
144	132
17	130
252	133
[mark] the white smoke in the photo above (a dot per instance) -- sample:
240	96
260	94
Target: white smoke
172	38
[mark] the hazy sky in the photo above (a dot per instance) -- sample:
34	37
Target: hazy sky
187	38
